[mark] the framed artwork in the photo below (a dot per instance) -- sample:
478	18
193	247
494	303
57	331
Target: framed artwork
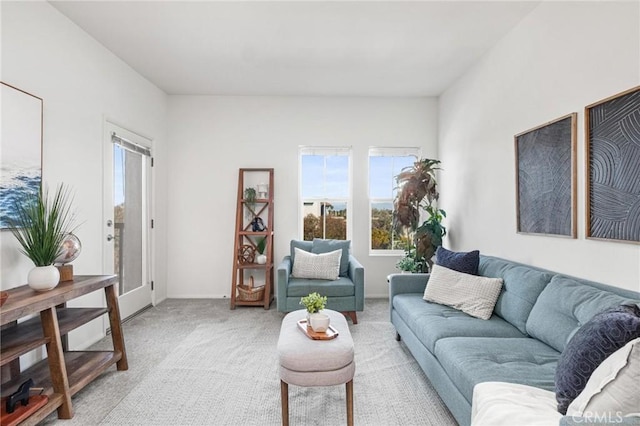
546	178
21	148
612	133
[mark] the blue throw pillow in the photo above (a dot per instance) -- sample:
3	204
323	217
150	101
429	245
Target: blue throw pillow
325	246
465	262
604	334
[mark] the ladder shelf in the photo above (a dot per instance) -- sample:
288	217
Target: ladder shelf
244	290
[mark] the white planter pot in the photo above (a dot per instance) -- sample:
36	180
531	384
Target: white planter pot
261	259
319	322
43	278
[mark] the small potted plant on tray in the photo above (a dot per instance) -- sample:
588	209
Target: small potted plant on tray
314	303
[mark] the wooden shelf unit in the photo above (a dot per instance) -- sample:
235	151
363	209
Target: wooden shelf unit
63	373
244	235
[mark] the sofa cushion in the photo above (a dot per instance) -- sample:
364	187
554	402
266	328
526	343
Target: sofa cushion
324	266
431	321
302	245
520	290
472	360
603	335
299	287
613	386
471	294
564	306
325	246
465	262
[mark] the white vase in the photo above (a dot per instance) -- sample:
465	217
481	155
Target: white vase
261	259
43	278
319	322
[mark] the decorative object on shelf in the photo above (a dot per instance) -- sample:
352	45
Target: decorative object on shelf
246	254
257	224
612	197
261	258
546	178
417	191
21	147
249	196
263	190
21	404
71	247
249	293
40	227
4	295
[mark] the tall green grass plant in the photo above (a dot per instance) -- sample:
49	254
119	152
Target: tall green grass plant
42	224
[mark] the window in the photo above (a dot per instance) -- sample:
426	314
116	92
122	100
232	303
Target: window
384	166
325	190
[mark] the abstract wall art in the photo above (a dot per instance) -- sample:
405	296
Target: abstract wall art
546	178
20	149
612	133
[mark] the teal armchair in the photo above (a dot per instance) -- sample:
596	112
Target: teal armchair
346	294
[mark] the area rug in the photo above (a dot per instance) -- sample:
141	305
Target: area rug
226	373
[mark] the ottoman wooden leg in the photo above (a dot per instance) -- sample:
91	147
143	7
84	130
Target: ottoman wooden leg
284	396
350	403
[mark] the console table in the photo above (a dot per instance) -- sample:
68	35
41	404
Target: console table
64	372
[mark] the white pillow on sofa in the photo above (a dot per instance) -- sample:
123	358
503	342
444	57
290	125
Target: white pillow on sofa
510	404
614	386
324	266
471	294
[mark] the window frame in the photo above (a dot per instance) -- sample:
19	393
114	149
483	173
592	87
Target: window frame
346	151
387	151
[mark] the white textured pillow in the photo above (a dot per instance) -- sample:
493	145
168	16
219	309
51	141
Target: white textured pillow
614	387
476	296
324	266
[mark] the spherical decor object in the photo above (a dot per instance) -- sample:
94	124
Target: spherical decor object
71	248
246	254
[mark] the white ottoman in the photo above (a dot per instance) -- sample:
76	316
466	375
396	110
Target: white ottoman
306	362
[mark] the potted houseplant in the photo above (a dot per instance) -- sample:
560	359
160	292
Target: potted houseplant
261	245
417	193
409	263
41	226
314	303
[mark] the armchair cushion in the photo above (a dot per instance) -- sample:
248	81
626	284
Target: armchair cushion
302	245
300	287
325	246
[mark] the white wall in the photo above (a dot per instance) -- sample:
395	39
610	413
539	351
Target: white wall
210	138
561	57
82	84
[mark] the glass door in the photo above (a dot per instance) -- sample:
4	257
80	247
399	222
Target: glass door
128	223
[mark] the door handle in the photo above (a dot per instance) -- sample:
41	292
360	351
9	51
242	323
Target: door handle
109	237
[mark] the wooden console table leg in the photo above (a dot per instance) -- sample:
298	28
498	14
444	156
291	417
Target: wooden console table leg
116	326
57	367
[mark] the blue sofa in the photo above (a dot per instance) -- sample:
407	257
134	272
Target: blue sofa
538	311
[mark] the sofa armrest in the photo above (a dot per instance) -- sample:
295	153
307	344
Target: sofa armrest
356	273
282	280
407	283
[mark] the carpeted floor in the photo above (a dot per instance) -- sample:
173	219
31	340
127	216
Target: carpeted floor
196	362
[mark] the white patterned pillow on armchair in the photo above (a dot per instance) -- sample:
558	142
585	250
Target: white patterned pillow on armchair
324	266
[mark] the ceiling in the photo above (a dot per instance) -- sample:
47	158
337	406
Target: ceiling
298	48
